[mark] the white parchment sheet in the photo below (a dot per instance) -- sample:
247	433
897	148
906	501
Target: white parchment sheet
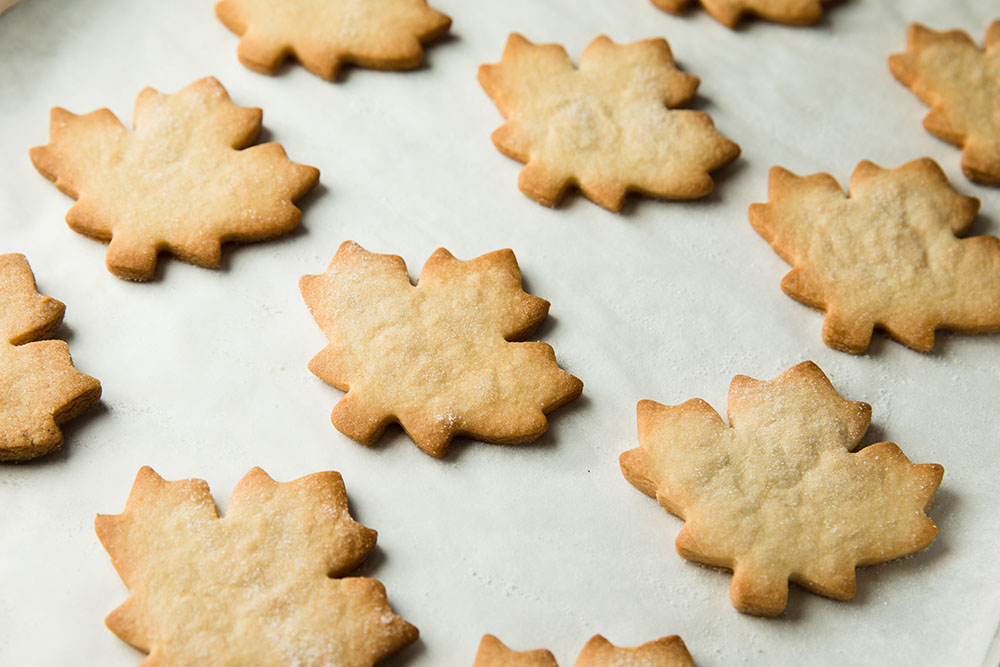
204	371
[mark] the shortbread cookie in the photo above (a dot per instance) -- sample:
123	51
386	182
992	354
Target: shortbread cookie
961	84
777	495
39	388
494	653
261	586
664	652
323	34
729	12
884	256
438	357
180	182
599	652
608	128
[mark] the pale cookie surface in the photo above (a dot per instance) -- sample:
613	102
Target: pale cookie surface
777	494
961	84
886	255
39	388
183	181
729	12
438	357
260	586
323	34
608	127
599	652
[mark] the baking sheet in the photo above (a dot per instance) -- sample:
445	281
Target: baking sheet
204	372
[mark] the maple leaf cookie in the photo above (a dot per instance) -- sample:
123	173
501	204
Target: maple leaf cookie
494	653
39	387
777	495
664	652
599	652
264	585
323	34
438	357
886	255
729	12
961	84
608	127
183	181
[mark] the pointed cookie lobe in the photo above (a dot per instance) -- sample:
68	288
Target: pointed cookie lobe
39	387
324	34
884	256
608	127
961	84
441	358
729	12
264	585
184	181
777	494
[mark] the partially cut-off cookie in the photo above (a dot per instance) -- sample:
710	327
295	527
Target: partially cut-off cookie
443	357
264	585
777	494
599	652
887	255
324	34
961	84
608	127
494	653
182	182
39	387
729	12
